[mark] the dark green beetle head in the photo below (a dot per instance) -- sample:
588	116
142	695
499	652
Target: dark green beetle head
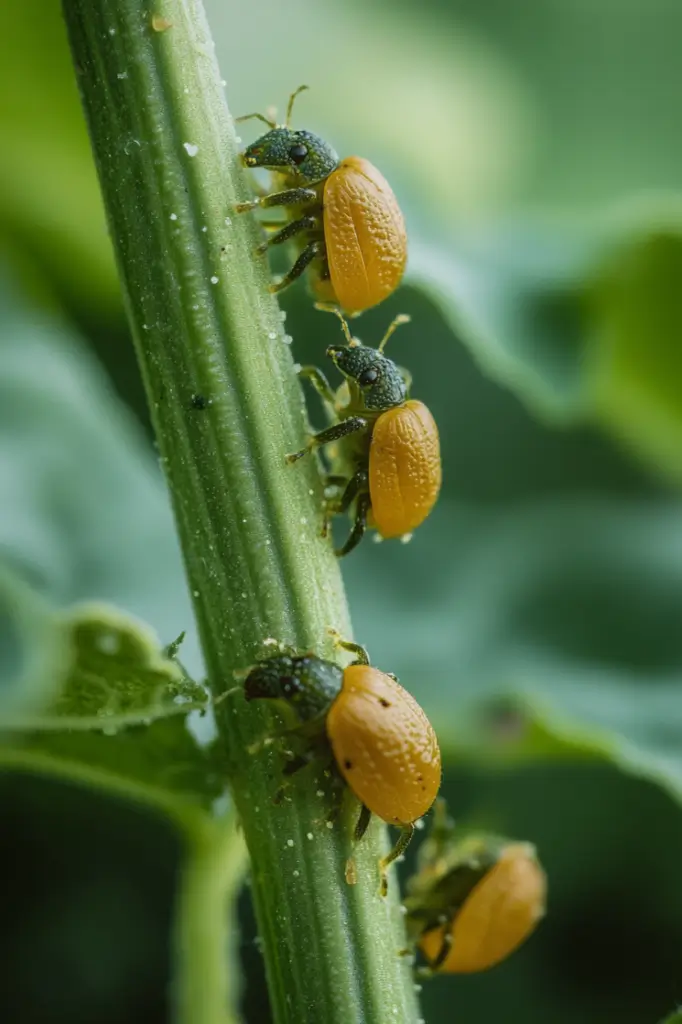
299	154
377	378
308	683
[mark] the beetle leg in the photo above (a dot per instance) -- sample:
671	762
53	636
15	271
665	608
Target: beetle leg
356	485
307	256
289	197
295	227
362	823
320	383
338	505
358	832
360	652
360	525
401	844
295	762
442	955
349	426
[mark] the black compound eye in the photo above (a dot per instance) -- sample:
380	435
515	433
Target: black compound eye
298	153
368	377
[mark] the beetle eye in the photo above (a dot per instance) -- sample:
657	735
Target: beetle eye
368	377
298	153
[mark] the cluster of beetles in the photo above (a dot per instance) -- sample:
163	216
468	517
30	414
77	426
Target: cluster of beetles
473	899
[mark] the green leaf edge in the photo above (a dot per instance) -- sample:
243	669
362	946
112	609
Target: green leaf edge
550	736
45	647
156	659
31	762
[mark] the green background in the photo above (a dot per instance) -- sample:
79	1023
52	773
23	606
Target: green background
535	147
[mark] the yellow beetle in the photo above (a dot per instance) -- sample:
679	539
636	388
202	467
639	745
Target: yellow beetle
383	745
474	901
342	214
387	469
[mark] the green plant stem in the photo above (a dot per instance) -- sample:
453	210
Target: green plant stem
205	325
206	990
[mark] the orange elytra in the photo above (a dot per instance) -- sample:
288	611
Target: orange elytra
386	468
365	235
382	743
404	468
474	902
341	214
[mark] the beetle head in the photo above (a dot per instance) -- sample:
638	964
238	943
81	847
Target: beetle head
305	682
299	154
378	379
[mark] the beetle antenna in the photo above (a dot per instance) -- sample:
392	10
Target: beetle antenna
402	318
290	107
344	323
257	117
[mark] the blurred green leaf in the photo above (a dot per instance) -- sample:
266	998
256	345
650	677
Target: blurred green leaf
674	1018
120	720
35	654
515	300
119	677
161	764
583	324
635	355
85	513
50	209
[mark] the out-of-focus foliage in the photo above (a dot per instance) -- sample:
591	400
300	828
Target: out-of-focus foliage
582	324
536	614
117	718
50	207
84	513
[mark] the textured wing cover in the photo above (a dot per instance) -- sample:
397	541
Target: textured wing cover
364	234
